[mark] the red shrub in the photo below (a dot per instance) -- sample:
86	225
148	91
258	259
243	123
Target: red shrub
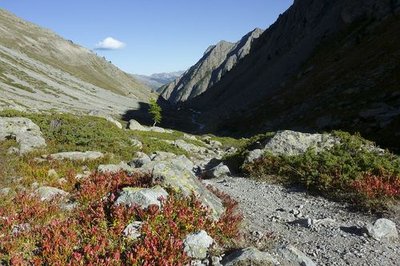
375	187
93	233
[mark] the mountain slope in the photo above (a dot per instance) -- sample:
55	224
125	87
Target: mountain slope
216	61
155	81
40	70
318	62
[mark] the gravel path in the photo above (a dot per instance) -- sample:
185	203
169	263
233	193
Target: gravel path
332	235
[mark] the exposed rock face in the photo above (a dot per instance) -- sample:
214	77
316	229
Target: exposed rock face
216	61
42	71
24	131
323	65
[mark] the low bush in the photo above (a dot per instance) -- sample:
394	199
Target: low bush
352	171
41	233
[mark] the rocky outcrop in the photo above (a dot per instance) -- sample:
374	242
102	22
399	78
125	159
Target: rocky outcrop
216	61
24	131
291	143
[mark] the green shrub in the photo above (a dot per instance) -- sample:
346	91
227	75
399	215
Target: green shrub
334	172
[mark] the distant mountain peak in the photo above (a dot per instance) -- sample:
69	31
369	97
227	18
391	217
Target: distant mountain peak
216	61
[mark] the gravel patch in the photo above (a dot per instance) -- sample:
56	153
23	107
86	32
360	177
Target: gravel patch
328	232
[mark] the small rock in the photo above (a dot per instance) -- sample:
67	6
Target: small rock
306	222
13	150
135	125
132	230
49	193
157	129
254	155
5	191
115	122
216	260
190	137
249	256
382	229
196	245
52	173
162	156
142	197
76	156
218	171
115	168
293	255
140	160
19	228
136	143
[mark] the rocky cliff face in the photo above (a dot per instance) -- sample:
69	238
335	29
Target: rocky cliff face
322	65
39	70
217	60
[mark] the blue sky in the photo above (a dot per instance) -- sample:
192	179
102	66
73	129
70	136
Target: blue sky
156	35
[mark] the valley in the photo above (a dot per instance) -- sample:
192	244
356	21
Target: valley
280	148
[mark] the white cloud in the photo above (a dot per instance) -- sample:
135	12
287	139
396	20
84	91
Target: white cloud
110	43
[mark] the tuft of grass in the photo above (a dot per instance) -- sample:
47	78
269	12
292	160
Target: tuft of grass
351	171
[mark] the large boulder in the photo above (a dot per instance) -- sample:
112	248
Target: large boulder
382	229
196	245
177	173
295	143
249	256
142	197
291	143
77	156
24	131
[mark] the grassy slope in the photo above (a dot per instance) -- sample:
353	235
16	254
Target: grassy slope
45	46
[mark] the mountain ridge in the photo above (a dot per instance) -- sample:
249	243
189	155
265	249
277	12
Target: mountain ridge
157	80
216	61
40	71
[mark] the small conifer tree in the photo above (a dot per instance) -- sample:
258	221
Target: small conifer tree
155	111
